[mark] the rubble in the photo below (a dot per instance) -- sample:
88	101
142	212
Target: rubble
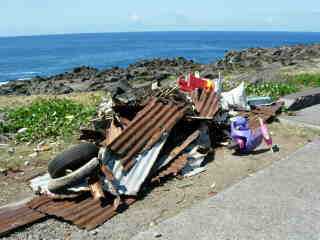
142	142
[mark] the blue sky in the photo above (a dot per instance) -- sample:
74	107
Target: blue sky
29	17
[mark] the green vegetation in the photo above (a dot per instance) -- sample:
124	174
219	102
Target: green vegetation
46	118
291	84
272	89
306	79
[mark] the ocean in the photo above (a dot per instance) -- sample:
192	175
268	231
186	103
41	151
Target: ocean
26	57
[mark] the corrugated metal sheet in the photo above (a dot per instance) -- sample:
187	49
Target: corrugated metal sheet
86	213
13	218
158	117
265	112
206	103
129	183
175	152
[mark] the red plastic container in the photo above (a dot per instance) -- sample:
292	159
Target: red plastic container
192	82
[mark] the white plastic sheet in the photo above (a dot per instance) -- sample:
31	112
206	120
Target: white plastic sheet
236	97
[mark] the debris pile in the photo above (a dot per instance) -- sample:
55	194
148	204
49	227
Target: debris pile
134	145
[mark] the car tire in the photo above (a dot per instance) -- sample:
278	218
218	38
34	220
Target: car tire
59	185
72	159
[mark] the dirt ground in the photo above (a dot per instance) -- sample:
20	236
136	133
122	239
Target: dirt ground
166	200
20	163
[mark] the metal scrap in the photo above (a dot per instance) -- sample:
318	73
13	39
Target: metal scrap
129	183
206	103
132	155
12	218
84	212
156	119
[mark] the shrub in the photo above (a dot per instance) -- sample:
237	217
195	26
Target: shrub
272	89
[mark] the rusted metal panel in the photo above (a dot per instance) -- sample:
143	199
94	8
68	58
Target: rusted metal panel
133	126
206	103
265	113
84	212
13	218
157	118
147	141
173	169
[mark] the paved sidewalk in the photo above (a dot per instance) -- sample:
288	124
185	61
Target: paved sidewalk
280	202
308	117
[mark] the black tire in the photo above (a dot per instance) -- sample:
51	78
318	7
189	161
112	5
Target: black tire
72	159
61	185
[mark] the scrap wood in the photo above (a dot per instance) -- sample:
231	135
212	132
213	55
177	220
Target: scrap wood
112	132
173	168
96	188
177	150
263	112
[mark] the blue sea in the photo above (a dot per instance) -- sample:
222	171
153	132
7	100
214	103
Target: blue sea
25	57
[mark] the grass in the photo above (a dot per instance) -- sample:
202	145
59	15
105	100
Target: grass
46	118
292	84
306	79
87	101
85	98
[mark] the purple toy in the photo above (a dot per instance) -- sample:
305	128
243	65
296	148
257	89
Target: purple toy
246	139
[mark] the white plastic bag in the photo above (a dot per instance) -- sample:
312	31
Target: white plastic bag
235	98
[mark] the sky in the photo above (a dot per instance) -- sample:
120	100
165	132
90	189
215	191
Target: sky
37	17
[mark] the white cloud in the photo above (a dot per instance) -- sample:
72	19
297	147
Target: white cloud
134	17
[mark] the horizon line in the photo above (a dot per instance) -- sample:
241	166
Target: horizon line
152	31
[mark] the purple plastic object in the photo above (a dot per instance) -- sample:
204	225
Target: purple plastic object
247	139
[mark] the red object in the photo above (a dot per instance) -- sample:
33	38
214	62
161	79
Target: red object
192	82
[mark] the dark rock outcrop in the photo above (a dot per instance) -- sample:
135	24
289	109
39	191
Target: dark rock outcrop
262	57
91	79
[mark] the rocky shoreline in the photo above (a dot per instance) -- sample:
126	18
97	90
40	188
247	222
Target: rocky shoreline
82	79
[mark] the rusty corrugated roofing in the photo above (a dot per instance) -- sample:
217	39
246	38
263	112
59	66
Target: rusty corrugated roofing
206	103
156	118
84	212
13	218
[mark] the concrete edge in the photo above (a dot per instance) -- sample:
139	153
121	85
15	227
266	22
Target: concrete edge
297	123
